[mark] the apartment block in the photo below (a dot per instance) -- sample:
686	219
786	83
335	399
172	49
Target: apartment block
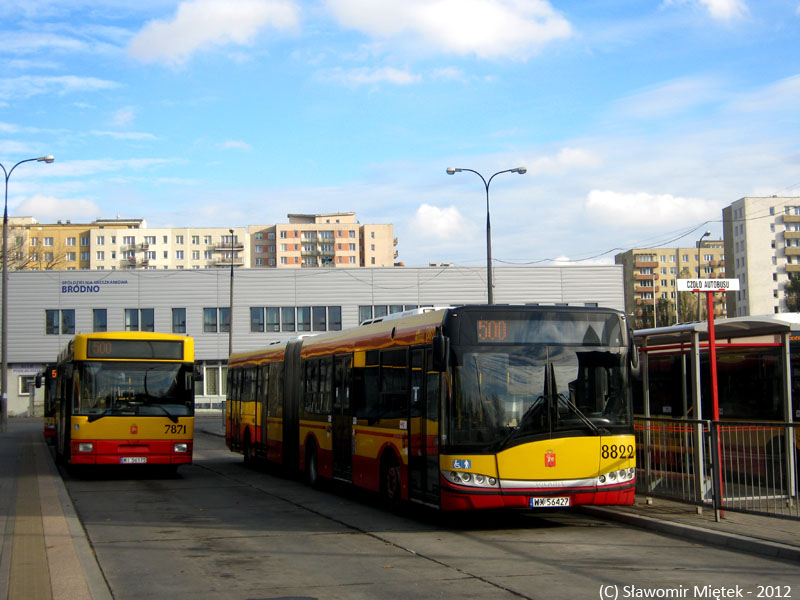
651	275
762	239
314	240
322	240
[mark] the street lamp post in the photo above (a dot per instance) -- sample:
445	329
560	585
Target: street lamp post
230	312
521	171
4	349
699	244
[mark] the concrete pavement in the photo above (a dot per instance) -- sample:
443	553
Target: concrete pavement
45	554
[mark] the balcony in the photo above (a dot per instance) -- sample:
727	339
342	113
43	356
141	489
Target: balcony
791	235
793	268
226	262
792	251
650	277
227	247
645	264
791	218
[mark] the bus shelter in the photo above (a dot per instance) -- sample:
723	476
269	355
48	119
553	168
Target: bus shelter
754	373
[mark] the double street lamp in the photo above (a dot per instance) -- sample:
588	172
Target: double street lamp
4	349
521	171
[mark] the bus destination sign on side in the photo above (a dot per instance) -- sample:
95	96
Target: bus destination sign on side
708	285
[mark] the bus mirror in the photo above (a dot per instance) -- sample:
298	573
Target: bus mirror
38	380
633	355
198	373
441	350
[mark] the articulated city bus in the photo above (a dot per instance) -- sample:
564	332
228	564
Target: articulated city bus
456	408
125	398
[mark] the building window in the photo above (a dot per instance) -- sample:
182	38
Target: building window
66	321
257	319
210	320
303	318
273	318
364	313
131	319
71	256
70	241
179	254
51	322
195	240
99	320
224	320
178	320
334	318
319	318
179	240
287	318
85	240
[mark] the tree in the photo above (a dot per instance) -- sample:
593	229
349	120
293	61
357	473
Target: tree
687	301
793	293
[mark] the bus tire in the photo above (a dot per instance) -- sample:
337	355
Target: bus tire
312	465
391	481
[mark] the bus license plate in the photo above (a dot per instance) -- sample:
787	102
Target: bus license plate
554	502
133	460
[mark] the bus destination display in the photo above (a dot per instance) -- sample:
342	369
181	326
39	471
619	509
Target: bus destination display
139	349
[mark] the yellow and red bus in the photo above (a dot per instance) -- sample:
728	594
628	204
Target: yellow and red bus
125	398
457	408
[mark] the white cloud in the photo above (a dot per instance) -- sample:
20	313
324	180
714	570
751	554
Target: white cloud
235	145
367	76
200	24
784	94
49	208
126	135
485	28
123	117
645	209
722	10
567	159
439	223
672	97
30	85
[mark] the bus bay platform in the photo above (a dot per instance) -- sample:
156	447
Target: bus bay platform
45	554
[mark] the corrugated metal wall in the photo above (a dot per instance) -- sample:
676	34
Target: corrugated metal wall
32	292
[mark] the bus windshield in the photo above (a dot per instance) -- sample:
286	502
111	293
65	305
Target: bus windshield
503	395
134	388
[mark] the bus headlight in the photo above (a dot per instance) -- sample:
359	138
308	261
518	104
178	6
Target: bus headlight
620	476
180	447
86	447
471	479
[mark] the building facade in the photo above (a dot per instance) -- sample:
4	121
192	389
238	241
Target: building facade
322	240
46	308
317	240
651	276
762	239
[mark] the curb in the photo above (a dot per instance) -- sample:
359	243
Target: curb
733	541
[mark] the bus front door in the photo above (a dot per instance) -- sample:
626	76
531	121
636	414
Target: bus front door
342	420
423	454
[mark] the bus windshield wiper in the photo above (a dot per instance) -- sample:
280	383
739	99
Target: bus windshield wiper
586	420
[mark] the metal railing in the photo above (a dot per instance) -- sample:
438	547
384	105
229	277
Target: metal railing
730	465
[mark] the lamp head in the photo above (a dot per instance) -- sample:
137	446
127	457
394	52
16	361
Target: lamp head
520	170
48	159
453	170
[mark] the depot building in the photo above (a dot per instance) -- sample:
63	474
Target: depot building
46	308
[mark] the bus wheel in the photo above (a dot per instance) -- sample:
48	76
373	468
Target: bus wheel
391	488
312	467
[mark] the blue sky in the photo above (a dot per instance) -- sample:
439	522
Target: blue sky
637	120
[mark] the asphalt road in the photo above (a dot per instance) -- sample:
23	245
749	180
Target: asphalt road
220	530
